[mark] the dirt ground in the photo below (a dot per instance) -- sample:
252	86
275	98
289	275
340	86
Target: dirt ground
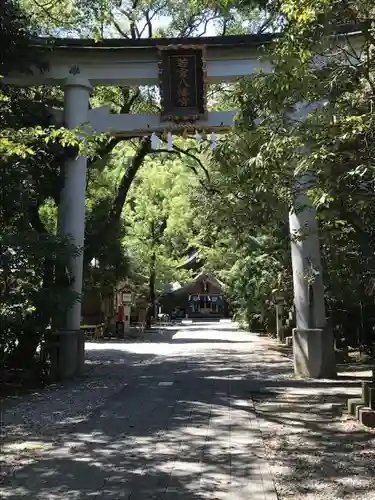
314	449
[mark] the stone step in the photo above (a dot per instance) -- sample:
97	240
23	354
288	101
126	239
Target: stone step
366	387
366	416
371	398
288	341
354	404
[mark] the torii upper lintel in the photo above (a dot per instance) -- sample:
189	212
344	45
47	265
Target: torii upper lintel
135	62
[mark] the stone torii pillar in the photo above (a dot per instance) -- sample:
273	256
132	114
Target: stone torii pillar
71	222
313	346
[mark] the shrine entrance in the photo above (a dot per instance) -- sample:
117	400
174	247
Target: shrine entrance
206	305
202	297
182	69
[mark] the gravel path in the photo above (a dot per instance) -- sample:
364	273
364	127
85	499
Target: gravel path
314	452
51	412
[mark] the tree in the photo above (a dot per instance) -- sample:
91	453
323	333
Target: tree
129	20
255	166
28	253
158	217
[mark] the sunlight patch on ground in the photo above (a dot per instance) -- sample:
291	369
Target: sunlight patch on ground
357	374
24	446
183	341
213	335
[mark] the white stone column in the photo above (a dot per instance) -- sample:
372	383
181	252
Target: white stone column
312	339
306	260
72	198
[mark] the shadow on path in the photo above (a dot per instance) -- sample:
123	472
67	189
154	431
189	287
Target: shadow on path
177	421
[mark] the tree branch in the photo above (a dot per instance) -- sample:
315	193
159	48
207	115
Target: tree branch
149	18
148	24
132	22
127	180
205	26
185	32
179	151
45	8
118	27
264	25
35	221
105	150
111	224
225	26
129	101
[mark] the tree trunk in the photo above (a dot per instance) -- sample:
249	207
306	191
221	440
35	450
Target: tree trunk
23	355
156	234
109	229
152	294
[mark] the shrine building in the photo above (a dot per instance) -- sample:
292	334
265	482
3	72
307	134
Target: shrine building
203	297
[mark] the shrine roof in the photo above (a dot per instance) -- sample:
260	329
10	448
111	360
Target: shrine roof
201	276
227	41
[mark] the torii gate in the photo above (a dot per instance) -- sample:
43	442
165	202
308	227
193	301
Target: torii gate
78	65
